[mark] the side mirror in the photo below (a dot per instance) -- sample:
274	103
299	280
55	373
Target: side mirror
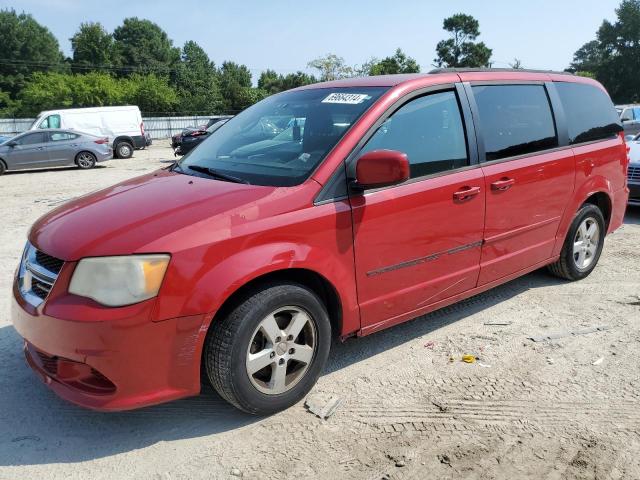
381	168
629	138
12	143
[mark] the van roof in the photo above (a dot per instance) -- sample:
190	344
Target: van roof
89	109
465	74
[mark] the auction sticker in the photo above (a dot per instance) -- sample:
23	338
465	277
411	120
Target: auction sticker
347	98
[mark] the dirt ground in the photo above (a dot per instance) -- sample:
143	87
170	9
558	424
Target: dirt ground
565	408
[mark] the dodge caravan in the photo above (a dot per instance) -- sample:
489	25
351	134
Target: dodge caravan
401	195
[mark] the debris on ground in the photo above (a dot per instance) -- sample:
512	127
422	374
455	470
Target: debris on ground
483	365
469	358
444	459
499	324
598	361
322	407
555	336
430	344
440	404
236	472
550	361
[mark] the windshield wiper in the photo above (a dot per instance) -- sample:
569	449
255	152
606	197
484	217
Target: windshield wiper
216	174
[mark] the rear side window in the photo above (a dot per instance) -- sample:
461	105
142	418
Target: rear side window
61	136
515	120
429	130
590	113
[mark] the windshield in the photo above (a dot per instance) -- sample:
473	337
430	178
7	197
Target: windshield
280	140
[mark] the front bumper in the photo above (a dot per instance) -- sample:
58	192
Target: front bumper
121	363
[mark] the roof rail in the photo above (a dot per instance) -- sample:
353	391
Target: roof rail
463	70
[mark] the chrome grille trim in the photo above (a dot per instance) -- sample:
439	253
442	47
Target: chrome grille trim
633	174
36	279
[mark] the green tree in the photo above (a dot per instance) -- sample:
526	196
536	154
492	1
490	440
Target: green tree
97	89
45	91
25	47
151	93
461	50
399	62
92	46
8	106
614	56
235	87
196	81
271	82
142	46
331	67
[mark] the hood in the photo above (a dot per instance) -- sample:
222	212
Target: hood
156	213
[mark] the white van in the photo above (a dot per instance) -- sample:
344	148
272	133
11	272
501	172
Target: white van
122	125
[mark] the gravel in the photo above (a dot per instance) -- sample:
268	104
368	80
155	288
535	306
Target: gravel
541	410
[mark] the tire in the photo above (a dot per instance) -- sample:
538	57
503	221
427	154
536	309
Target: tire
3	167
572	265
242	337
124	150
86	160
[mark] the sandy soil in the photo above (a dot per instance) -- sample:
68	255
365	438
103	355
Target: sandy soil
528	410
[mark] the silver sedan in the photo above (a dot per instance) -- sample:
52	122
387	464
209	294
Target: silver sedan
53	148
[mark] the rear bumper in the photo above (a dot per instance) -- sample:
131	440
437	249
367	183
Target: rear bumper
103	156
118	364
139	141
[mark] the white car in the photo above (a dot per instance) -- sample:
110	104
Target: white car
634	170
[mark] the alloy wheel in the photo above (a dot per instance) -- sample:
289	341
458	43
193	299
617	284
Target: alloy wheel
281	350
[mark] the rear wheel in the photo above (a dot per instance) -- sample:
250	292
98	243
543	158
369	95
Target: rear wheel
582	246
124	150
86	160
268	352
3	167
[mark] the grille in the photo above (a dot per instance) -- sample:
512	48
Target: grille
634	173
38	272
47	261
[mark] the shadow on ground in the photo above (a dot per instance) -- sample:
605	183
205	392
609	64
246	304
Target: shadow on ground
39	428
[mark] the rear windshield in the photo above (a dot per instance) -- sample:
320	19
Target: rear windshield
280	140
590	113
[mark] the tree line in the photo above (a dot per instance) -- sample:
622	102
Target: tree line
137	63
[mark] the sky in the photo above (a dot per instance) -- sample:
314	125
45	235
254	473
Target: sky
285	35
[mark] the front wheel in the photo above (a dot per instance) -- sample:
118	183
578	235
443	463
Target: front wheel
268	352
582	246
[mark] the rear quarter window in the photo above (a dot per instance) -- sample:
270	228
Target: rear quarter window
589	111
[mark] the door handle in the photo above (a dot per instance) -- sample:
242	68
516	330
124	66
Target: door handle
503	184
465	193
40	148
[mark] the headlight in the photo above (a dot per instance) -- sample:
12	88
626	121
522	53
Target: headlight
119	281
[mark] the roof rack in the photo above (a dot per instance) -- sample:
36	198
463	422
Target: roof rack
464	70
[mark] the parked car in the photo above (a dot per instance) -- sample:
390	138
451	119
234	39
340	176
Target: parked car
633	173
176	139
406	194
123	126
630	117
53	148
191	139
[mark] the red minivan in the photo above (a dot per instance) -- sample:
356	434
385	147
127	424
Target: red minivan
335	209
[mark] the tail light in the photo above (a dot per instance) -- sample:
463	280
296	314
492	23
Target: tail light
142	128
102	141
